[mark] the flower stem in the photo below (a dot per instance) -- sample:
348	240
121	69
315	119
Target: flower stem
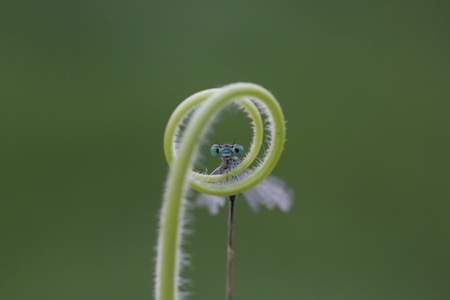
230	258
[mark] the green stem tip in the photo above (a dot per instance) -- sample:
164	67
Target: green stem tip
180	148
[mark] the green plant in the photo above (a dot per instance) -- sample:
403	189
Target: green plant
180	148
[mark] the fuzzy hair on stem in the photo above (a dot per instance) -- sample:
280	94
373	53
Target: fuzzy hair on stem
181	147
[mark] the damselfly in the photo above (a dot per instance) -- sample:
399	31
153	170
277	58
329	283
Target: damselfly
271	192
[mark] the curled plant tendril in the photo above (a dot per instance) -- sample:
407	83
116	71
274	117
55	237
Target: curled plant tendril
180	148
255	101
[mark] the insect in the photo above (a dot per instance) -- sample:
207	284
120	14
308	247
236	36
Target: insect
271	192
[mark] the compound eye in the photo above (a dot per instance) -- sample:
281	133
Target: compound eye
215	150
238	150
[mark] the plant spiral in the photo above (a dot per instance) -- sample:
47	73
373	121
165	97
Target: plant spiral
180	147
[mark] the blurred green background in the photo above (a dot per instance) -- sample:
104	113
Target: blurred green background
86	88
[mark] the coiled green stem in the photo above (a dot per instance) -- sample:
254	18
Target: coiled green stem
180	151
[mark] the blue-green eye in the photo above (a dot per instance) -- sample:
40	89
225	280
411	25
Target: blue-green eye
238	150
215	150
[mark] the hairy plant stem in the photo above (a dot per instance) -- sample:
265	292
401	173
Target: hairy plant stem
181	153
